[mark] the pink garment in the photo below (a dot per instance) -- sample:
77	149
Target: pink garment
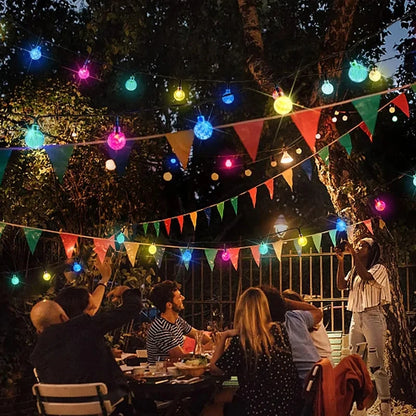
188	345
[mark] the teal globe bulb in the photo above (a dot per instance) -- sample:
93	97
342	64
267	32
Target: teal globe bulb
357	72
228	97
263	249
327	88
186	256
340	225
131	84
120	238
203	128
15	280
35	53
34	137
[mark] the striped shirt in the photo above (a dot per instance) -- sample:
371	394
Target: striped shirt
163	336
366	294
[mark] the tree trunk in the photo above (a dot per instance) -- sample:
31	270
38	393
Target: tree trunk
343	179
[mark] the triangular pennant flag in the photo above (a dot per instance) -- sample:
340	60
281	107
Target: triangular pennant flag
2	227
167	224
414	87
381	223
288	176
186	263
317	238
121	157
253	195
112	241
364	128
277	246
181	144
69	241
297	247
180	221
307	123
101	247
401	102
234	256
32	237
131	250
249	134
208	214
157	228
307	168
333	235
220	208
350	232
346	142
4	159
234	203
369	226
256	254
210	254
270	186
194	216
59	156
159	255
324	153
145	225
367	108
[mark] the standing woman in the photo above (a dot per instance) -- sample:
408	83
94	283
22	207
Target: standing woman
369	290
259	354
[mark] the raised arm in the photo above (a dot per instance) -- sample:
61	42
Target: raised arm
341	282
98	293
316	313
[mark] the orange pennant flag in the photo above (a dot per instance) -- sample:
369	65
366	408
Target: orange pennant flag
307	123
249	134
253	195
234	252
167	225
181	143
69	241
270	186
381	223
131	249
401	102
369	226
101	247
288	175
256	254
278	245
193	216
180	221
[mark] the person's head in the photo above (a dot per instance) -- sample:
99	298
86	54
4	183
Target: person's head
46	313
74	301
276	303
292	295
368	250
167	296
252	321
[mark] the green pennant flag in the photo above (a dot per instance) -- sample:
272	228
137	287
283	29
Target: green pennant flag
346	142
234	203
2	227
317	238
145	225
324	153
210	254
333	235
220	208
32	237
4	159
414	87
59	157
367	108
157	228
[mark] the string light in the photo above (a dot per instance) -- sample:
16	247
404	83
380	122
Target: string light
167	176
84	73
280	226
76	267
286	158
414	179
228	97
203	128
263	249
46	276
392	109
131	84
302	241
341	225
187	256
214	176
344	117
179	94
228	163
116	140
225	255
120	238
15	280
375	74
34	138
273	162
379	205
152	249
298	151
327	88
110	164
357	72
283	105
35	53
248	172
394	119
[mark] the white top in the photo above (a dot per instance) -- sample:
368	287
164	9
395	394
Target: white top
366	294
321	341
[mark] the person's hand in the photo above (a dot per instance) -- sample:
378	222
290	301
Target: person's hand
104	268
116	294
228	333
339	253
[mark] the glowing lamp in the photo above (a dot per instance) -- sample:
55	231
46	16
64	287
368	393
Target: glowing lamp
34	137
173	161
228	163
116	140
131	84
273	163
179	94
298	151
152	249
110	164
302	241
317	136
357	72
225	255
286	158
187	256
228	97
215	176
394	119
392	109
167	176
283	104
203	128
83	72
280	226
35	53
334	119
15	280
46	276
120	238
76	267
341	225
414	179
248	172
263	249
327	88
379	205
375	74
344	117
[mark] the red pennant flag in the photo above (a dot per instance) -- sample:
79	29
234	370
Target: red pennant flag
307	123
101	246
180	221
69	241
256	254
234	252
253	195
270	186
369	226
249	134
364	128
167	225
401	102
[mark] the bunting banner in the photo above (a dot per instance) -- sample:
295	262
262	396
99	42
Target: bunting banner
369	226
180	221
249	134
181	144
401	102
159	255
157	228
208	214
120	157
112	240
364	128
288	176
324	154
211	254
32	237
145	225
253	196
234	252
381	223
277	246
346	142
59	157
317	238
367	108
101	246
270	186
4	159
194	217
307	123
2	227
131	250
220	208
167	223
256	254
307	168
234	203
333	235
298	248
69	241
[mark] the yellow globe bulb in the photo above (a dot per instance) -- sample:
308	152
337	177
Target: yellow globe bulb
167	176
302	241
283	105
375	75
179	94
46	276
152	249
215	176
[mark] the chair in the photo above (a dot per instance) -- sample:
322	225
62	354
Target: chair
72	399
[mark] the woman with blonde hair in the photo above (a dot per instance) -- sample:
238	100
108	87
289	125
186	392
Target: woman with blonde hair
259	354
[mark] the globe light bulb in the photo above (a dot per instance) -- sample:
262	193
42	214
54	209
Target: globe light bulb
375	74
35	53
414	179
83	72
286	158
357	72
203	128
34	138
334	119
167	176
225	255
215	176
116	140
120	238
228	97
263	249
379	205
76	267
283	105
341	225
298	151
186	256
394	119
327	88
302	241
46	276
317	136
179	94
110	164
152	249
248	172
228	163
344	117
15	280
392	109
131	84
273	163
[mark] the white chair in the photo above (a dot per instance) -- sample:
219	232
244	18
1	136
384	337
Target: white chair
72	399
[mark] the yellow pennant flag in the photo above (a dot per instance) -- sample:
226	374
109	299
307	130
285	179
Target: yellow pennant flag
181	143
288	175
131	249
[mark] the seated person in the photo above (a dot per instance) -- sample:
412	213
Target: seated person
165	337
259	353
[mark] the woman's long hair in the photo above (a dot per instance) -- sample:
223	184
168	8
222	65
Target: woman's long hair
252	320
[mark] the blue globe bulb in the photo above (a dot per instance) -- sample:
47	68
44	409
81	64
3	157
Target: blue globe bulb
186	256
263	249
76	267
228	97
173	160
15	280
120	238
131	84
35	53
340	225
203	129
357	72
34	137
327	88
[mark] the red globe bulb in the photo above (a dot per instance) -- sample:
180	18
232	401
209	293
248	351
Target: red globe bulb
379	205
225	255
228	163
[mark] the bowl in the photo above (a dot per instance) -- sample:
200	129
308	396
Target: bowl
191	370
